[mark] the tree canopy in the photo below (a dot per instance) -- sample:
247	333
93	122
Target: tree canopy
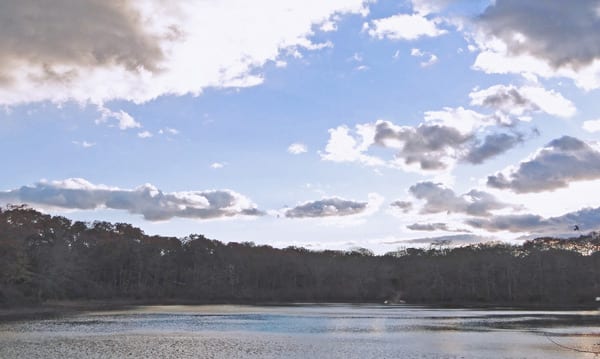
44	257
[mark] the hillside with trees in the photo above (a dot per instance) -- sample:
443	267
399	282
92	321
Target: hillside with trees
44	257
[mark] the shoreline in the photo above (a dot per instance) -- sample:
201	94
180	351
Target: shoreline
54	309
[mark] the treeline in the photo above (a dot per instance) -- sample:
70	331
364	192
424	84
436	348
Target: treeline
45	257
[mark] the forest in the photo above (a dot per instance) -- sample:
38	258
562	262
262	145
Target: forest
44	257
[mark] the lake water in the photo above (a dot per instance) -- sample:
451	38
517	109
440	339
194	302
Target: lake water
305	331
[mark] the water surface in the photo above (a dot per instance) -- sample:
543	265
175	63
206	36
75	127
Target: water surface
305	331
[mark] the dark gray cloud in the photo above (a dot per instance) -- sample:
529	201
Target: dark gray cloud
491	146
457	239
505	98
441	199
147	200
444	138
327	207
510	100
83	33
432	146
563	33
404	206
425	145
560	162
431	227
587	219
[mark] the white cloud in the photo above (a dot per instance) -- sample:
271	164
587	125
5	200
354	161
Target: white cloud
297	148
357	57
431	58
147	200
84	144
139	50
425	7
431	61
344	147
125	120
404	27
144	134
217	165
328	26
591	125
463	120
416	52
168	130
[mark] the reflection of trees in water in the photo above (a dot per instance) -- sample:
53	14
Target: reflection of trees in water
49	257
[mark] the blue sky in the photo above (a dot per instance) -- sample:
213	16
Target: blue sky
343	124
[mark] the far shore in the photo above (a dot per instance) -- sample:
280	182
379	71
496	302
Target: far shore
54	309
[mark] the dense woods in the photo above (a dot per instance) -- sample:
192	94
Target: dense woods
45	257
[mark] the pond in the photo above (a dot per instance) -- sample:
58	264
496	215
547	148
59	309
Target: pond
305	331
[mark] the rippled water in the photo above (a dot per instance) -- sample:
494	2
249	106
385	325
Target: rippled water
318	331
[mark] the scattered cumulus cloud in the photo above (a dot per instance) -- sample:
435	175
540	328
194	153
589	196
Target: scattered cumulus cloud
524	100
404	206
587	219
84	144
429	6
463	120
168	131
344	146
439	198
357	57
124	120
147	200
404	27
493	145
455	239
144	134
554	166
430	147
328	26
434	145
297	148
432	227
431	59
335	207
591	125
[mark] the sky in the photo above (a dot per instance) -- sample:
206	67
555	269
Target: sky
323	124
